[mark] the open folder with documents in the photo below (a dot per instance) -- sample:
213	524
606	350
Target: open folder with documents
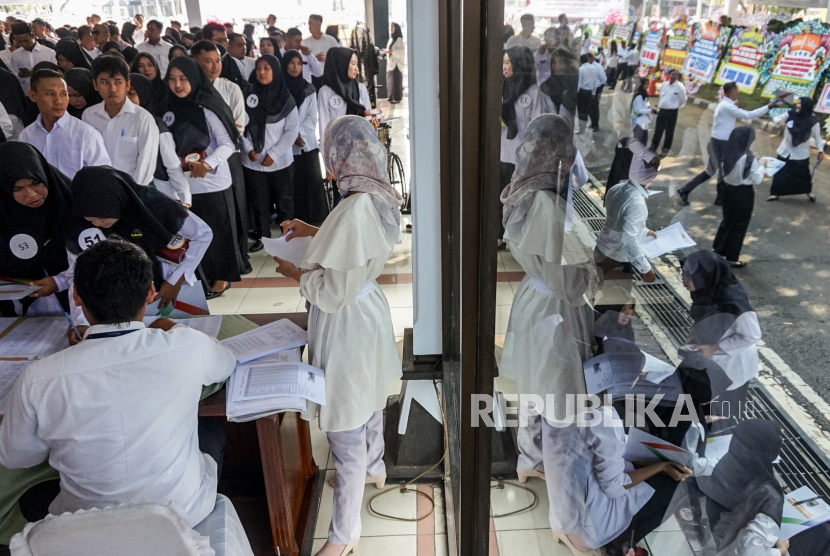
274	337
671	238
630	373
803	509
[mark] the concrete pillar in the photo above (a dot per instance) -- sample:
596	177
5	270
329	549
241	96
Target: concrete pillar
730	8
370	14
194	13
699	10
425	153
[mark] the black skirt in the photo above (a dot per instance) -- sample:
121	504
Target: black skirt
310	203
218	210
793	179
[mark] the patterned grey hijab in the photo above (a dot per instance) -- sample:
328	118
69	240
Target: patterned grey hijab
355	157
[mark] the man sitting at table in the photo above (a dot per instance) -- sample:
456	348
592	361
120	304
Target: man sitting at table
116	415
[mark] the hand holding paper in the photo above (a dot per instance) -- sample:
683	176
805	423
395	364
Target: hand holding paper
292	251
668	239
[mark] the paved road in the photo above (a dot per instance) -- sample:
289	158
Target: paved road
787	247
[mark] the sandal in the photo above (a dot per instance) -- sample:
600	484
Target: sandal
772	198
738	264
811	197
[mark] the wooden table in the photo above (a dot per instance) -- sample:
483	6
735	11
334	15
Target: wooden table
287	464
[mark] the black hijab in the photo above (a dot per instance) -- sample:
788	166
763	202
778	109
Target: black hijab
127	31
803	121
185	117
642	91
396	34
72	51
160	89
743	483
147	100
173	49
335	75
521	59
49	225
740	141
299	88
230	71
81	80
562	86
176	35
13	98
145	216
130	53
267	104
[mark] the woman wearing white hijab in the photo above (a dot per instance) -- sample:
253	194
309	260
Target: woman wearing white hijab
550	331
350	325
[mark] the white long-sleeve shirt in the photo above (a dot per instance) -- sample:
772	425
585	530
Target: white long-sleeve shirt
279	137
71	145
726	113
602	79
640	112
625	225
131	139
246	66
28	59
330	105
802	151
588	78
232	95
160	53
117	418
6	125
307	113
542	61
672	95
219	150
176	187
532	42
736	176
738	354
529	105
398	56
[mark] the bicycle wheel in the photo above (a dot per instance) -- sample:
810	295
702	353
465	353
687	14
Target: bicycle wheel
397	177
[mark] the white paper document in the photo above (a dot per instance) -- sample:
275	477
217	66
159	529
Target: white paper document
292	251
12	291
625	373
265	340
656	370
773	165
652	192
717	446
191	301
670	238
6	322
206	325
9	371
645	448
35	338
273	380
803	509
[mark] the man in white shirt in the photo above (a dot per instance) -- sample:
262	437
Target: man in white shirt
626	216
138	34
586	89
156	47
40	29
586	43
319	43
117	414
526	36
672	99
723	122
101	35
130	133
632	59
311	67
66	142
88	41
29	54
601	80
237	48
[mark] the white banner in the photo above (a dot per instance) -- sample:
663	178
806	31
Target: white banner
575	9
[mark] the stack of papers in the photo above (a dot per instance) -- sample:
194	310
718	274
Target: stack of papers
35	338
631	373
9	371
803	509
12	291
668	239
273	384
269	377
773	165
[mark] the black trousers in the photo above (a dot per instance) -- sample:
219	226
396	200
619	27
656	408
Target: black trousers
241	199
34	504
583	103
394	83
594	108
265	189
310	204
715	149
611	74
666	122
653	514
738	202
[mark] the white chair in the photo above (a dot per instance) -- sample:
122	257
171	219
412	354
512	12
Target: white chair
135	530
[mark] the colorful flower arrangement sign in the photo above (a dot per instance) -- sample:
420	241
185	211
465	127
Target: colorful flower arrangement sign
744	60
651	48
801	59
677	45
623	32
702	60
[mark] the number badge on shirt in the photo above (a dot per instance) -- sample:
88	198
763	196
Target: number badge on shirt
252	101
524	100
23	246
336	101
90	237
169	118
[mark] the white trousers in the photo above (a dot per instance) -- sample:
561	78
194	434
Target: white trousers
529	439
357	454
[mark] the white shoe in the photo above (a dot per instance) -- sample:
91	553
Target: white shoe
330	549
525	475
560	537
379	482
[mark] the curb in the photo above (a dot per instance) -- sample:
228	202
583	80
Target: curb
762	123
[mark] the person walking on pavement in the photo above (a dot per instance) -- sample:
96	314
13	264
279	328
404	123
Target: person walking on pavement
723	122
672	99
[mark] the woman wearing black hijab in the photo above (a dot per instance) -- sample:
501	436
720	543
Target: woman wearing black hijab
112	203
82	93
310	203
176	51
740	172
70	55
341	93
169	177
273	126
560	89
395	57
127	31
206	136
640	113
520	103
146	65
35	227
795	177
